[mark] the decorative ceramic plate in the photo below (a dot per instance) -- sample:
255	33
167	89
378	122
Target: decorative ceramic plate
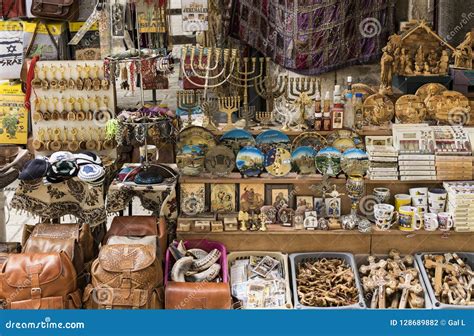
303	160
328	161
249	161
410	109
344	139
271	139
190	160
220	160
278	162
237	139
364	89
312	139
378	109
355	162
196	135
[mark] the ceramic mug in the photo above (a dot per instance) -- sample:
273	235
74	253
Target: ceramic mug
409	219
437	194
402	200
445	221
382	194
430	221
384	216
414	192
436	206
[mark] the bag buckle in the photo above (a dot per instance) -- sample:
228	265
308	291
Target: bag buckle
36	292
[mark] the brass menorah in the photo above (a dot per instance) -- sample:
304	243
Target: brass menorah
299	93
247	113
188	100
269	88
244	78
209	108
229	105
214	65
264	118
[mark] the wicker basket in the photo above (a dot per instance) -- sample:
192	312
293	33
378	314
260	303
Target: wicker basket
282	258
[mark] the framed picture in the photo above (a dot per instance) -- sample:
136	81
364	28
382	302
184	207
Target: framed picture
279	195
306	201
310	220
193	198
252	196
318	206
222	197
333	207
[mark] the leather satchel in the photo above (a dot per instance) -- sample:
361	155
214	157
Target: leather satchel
140	226
39	281
124	277
80	233
67	10
189	295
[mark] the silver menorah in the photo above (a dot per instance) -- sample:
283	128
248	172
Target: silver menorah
270	88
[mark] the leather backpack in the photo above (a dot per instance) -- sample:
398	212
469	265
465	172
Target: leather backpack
67	10
39	281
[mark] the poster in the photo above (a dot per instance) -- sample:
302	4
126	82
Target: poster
194	13
13	115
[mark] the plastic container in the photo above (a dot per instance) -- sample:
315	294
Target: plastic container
206	245
281	257
297	258
468	258
361	259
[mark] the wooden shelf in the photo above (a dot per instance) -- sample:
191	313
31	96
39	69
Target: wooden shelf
323	133
292	241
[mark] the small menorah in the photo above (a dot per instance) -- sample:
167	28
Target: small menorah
187	101
269	88
214	65
300	91
229	105
264	118
247	113
209	108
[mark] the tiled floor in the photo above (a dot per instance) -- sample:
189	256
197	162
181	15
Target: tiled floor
14	220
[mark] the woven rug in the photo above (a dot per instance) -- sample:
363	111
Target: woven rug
315	36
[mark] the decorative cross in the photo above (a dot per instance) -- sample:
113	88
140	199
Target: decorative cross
373	266
406	286
440	267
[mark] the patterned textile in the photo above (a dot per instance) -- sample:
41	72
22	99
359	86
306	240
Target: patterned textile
315	36
160	199
72	197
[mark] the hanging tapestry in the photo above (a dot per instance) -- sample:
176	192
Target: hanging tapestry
315	36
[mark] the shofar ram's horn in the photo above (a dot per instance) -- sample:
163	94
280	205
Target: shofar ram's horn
197	253
180	267
206	276
206	262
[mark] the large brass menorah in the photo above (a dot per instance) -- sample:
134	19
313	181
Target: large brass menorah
187	101
270	88
229	105
213	65
299	93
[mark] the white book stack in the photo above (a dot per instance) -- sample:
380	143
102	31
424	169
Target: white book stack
417	167
461	204
383	162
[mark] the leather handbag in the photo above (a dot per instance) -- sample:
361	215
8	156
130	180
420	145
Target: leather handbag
80	233
147	240
39	281
12	9
67	10
124	277
140	226
198	295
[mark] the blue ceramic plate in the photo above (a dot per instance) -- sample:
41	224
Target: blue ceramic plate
272	139
303	160
355	162
328	161
249	161
237	139
278	162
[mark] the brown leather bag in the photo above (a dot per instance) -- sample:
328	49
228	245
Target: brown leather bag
139	226
189	295
67	10
39	281
80	233
124	277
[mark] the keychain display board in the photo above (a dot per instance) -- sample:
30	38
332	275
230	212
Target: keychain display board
71	105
